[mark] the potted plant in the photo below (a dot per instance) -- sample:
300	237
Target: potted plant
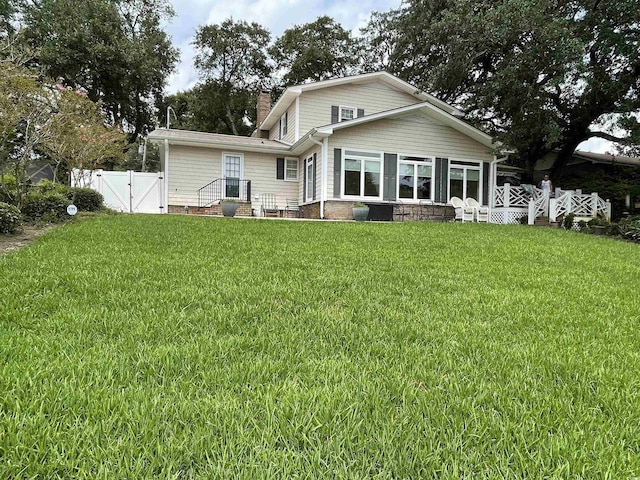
598	225
228	207
360	212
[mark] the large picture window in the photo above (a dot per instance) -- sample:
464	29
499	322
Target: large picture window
464	181
362	174
415	178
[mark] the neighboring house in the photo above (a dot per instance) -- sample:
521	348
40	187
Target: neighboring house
369	138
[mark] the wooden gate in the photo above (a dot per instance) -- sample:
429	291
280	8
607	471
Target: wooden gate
131	192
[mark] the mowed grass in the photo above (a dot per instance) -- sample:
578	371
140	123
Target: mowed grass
182	347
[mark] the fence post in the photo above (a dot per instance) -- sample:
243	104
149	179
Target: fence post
558	192
506	195
532	212
547	196
569	202
594	204
552	210
607	213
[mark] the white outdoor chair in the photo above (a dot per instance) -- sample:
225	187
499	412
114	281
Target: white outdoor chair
463	213
268	205
482	213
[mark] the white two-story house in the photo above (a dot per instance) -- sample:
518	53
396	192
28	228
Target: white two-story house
368	138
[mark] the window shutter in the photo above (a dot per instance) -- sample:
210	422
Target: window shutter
285	130
442	179
337	167
335	112
360	112
304	182
314	176
485	183
280	168
390	172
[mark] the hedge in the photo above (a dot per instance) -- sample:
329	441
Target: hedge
10	218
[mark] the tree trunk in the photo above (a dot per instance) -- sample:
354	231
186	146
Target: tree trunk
230	117
564	156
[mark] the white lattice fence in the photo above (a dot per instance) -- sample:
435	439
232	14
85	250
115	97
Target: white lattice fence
507	215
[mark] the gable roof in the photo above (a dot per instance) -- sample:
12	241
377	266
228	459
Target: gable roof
291	93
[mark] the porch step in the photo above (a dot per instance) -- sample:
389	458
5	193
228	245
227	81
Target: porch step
542	222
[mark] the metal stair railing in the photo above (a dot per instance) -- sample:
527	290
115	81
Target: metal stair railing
224	188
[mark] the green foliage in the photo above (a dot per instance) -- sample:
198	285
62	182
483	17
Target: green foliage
46	186
315	51
232	59
10	218
171	346
629	228
539	75
8	189
567	221
47	206
117	50
86	199
613	182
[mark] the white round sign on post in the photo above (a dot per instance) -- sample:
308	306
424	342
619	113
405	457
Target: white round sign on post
72	210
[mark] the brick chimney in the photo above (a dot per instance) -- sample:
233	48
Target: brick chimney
264	107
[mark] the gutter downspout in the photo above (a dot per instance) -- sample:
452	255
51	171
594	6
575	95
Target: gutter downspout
322	181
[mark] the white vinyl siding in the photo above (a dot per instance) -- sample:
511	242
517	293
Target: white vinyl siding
289	137
193	167
374	97
414	133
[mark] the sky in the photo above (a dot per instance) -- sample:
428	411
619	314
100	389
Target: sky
276	16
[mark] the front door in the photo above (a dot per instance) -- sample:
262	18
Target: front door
232	174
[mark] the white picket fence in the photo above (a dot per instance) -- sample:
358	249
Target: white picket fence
512	203
131	192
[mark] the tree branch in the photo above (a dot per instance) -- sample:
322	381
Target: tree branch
607	136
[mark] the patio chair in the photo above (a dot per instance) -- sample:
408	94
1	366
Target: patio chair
482	213
268	205
399	210
463	213
292	206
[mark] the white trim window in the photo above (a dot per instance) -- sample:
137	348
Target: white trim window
347	113
232	172
291	169
309	167
362	175
415	178
465	180
284	125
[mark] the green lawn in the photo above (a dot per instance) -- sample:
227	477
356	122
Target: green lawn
183	347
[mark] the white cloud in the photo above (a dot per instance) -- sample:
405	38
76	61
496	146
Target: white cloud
597	145
275	15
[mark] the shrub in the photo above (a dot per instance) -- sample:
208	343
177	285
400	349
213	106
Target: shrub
9	193
86	200
47	186
10	218
567	221
50	207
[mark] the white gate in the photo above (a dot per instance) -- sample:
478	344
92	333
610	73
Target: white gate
132	192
